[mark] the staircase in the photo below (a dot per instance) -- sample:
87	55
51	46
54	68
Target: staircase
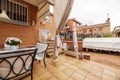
50	49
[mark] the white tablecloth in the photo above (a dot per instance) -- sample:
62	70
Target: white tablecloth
110	44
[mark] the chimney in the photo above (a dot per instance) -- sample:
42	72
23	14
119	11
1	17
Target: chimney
108	20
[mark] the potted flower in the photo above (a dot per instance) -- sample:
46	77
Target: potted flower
13	42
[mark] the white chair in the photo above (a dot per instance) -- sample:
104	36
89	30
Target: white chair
41	52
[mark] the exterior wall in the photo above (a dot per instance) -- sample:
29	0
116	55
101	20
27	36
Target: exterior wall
96	30
49	26
106	29
70	44
26	33
70	24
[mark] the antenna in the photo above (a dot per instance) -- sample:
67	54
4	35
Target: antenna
107	15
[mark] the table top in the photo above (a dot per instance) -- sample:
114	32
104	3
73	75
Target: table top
3	50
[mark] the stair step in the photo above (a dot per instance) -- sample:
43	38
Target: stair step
50	49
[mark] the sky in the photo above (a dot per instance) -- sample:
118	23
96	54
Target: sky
92	12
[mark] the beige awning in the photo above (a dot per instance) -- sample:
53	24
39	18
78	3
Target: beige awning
61	12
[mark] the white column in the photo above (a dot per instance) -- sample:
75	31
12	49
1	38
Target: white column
55	49
75	41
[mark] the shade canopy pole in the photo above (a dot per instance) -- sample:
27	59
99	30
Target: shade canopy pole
75	40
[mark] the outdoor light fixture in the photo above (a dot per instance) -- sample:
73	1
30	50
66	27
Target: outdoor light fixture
3	14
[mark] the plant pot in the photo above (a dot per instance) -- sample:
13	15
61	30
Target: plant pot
6	47
14	47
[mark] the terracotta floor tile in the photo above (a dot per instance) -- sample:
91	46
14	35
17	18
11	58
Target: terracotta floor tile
87	79
108	77
53	78
82	71
68	71
97	68
70	68
58	74
118	75
46	76
92	76
69	79
73	67
109	72
88	68
61	67
50	67
77	76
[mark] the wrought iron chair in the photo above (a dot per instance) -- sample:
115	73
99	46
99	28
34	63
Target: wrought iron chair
17	64
41	52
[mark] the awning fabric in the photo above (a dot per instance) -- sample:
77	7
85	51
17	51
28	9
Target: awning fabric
62	10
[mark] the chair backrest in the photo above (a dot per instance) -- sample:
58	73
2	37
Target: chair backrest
41	47
17	63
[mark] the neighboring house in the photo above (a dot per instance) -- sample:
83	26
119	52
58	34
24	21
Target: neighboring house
97	30
67	31
116	31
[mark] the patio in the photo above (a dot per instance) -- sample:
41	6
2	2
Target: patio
69	68
26	20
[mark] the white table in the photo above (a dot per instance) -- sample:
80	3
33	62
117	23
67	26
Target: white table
109	44
4	51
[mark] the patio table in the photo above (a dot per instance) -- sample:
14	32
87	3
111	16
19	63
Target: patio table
14	63
108	44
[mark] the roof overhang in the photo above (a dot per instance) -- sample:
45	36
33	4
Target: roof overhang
38	2
35	2
43	7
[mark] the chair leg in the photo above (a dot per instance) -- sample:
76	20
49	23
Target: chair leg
31	76
44	61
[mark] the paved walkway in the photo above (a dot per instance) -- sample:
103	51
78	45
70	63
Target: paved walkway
106	59
69	68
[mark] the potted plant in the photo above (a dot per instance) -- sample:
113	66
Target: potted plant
13	42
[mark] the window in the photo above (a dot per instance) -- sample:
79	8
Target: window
15	11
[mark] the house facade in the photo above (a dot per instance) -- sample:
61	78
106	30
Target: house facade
97	30
25	20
